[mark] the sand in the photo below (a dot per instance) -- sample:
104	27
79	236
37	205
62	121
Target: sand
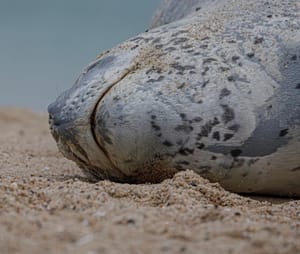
48	206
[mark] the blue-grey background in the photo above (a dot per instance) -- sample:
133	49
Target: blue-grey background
45	44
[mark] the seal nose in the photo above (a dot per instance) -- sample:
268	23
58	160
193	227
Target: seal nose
57	117
58	121
54	121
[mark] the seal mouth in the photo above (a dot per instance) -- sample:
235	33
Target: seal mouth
93	122
73	116
67	143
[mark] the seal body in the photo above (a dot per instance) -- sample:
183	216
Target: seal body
217	92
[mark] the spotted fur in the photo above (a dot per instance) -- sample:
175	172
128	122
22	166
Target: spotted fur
216	91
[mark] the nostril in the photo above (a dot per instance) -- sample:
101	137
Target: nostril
55	118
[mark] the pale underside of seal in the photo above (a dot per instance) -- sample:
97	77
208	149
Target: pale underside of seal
217	91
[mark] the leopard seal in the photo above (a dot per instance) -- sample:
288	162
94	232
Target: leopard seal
216	90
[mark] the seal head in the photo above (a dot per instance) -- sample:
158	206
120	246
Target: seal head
216	92
72	115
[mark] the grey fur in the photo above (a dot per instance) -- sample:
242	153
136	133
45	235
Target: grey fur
172	10
216	92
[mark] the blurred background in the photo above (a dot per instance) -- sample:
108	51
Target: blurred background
45	44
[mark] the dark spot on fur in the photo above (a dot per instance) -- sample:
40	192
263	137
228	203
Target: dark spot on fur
157	40
234	127
205	38
200	146
180	40
167	143
236	152
228	114
179	86
294	58
179	32
216	135
283	132
189	67
227	136
186	47
231	41
134	47
235	58
224	92
198	9
155	126
209	60
206	69
207	128
158	70
192	72
183	116
153	69
258	40
197	119
203	46
159	46
137	38
269	16
153	117
181	68
116	98
205	83
223	68
184	128
250	54
186	151
177	67
160	78
213	158
231	78
298	86
170	49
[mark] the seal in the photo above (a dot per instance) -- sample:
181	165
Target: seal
215	90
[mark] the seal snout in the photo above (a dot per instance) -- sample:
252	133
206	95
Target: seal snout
57	121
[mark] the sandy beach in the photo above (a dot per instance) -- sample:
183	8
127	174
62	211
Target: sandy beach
48	206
